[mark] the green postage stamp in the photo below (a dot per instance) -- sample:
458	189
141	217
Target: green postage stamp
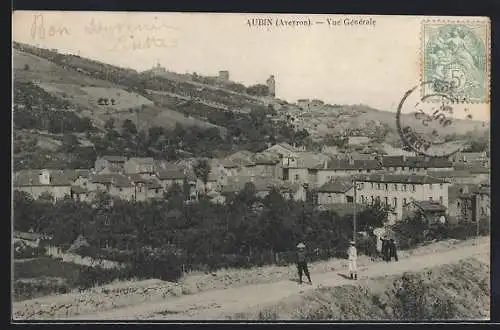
456	60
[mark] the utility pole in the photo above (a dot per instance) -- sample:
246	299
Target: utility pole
354	214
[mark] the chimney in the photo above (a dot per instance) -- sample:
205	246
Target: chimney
351	160
325	164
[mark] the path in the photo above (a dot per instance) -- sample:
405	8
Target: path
213	304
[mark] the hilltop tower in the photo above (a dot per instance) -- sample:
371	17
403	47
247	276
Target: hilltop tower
224	76
271	85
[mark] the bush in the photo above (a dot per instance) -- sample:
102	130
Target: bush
22	251
29	290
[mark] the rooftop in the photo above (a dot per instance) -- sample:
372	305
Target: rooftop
31	178
415	162
355	164
429	206
399	178
115	179
115	159
143	160
336	187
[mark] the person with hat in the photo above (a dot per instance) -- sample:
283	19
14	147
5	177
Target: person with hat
385	248
393	253
302	262
352	256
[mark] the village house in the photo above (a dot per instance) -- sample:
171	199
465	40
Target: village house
471	158
115	184
430	212
336	192
469	202
358	140
114	163
335	168
144	166
267	165
396	190
303	167
57	183
243	160
405	164
458	177
169	177
283	149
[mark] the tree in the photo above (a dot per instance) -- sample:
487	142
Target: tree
374	216
128	128
202	170
258	90
110	124
69	143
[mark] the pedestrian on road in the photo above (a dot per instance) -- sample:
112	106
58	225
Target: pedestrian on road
393	250
302	262
385	248
352	256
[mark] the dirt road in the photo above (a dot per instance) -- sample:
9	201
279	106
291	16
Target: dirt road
212	305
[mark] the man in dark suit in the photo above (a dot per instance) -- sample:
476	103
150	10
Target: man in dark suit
302	262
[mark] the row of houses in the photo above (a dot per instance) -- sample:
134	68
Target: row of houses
397	181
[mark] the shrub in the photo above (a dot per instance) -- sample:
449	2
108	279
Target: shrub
29	290
23	251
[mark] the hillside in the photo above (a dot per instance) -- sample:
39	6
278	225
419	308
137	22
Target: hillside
67	94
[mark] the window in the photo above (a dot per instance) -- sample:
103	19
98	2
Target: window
395	202
360	171
121	189
430	186
378	186
368	171
404	201
373	185
297	177
441	186
386	186
395	187
373	200
413	188
106	221
362	199
440	199
483	212
430	199
386	200
361	186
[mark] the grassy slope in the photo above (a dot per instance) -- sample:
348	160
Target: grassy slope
83	90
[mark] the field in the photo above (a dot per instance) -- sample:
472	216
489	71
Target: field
28	67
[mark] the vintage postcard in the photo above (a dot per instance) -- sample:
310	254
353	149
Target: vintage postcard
225	166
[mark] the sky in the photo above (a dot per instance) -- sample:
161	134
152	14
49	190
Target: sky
373	63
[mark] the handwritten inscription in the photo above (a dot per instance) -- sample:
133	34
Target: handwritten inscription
40	31
97	27
124	43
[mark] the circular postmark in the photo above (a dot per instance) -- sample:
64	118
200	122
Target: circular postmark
426	124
